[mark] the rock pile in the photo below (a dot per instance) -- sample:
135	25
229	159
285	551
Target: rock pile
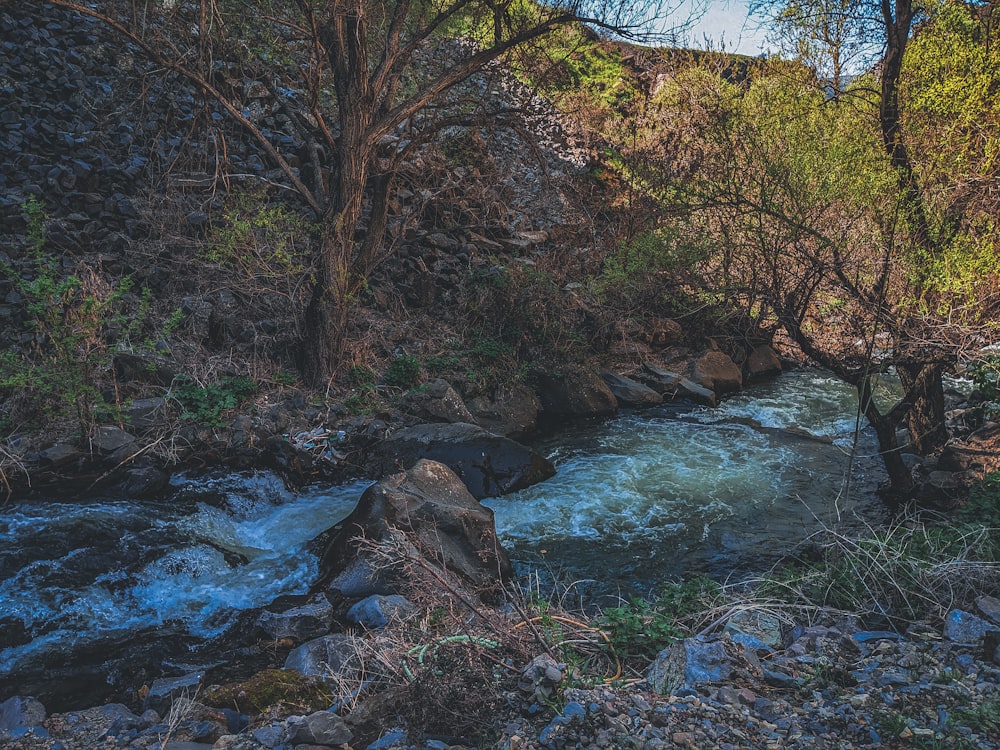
821	686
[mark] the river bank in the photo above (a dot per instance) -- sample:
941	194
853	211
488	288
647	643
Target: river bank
823	684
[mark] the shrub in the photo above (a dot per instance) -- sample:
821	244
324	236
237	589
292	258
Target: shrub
404	371
206	404
78	321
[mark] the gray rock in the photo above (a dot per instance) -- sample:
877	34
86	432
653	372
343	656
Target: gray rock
142	481
122	716
540	679
512	411
688	664
145	368
760	625
439	516
962	627
270	736
146	412
377	611
311	620
629	392
164	691
59	455
109	439
358	577
574	394
436	401
674	386
488	464
21	711
322	728
989	607
325	657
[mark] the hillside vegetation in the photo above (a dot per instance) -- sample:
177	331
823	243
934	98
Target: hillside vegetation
531	193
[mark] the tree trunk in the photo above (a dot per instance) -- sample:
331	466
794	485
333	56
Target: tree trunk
900	477
327	315
926	417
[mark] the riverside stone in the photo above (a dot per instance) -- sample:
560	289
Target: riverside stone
762	363
574	393
21	711
437	514
963	627
687	664
326	657
629	392
715	371
165	690
674	385
321	727
436	401
377	611
989	607
512	411
110	439
302	623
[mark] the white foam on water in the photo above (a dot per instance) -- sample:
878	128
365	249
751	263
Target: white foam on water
243	546
659	488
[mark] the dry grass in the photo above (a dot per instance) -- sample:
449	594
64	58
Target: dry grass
904	572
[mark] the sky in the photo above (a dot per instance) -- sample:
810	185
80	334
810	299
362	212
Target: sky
724	20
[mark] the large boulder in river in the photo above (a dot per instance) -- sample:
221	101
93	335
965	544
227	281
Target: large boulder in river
441	523
629	392
717	372
574	393
512	411
488	464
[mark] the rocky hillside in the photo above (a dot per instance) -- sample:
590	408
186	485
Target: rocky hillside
155	278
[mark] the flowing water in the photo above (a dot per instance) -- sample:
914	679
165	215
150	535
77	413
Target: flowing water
650	496
78	576
636	499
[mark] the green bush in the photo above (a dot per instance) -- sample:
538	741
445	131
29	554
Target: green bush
641	628
404	371
78	321
206	404
985	374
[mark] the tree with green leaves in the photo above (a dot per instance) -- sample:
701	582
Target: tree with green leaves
813	231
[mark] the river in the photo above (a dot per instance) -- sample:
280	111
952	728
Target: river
637	499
